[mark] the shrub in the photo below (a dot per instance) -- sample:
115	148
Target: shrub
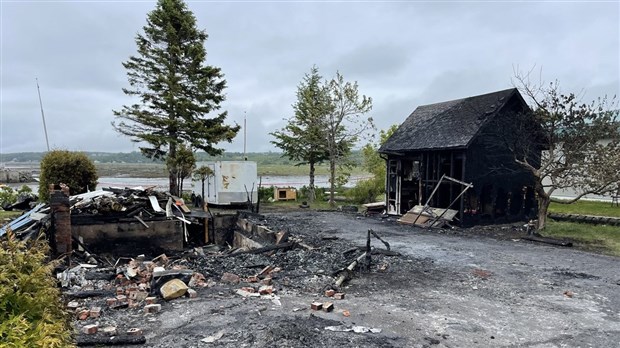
9	196
265	193
31	313
366	191
319	193
74	169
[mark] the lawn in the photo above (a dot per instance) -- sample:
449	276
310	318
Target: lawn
586	208
600	238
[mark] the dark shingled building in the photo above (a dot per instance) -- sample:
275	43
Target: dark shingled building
472	140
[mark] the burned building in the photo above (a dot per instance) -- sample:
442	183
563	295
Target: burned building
473	140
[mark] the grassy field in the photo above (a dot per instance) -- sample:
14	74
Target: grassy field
586	208
600	238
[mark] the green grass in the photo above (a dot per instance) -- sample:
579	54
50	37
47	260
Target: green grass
600	238
586	208
8	215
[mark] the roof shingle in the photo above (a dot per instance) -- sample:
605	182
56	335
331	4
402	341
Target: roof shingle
450	124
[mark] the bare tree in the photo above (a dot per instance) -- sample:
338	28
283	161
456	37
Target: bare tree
344	124
580	143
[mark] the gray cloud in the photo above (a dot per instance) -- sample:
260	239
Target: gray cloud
401	54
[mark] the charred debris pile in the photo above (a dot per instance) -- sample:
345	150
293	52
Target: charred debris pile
114	294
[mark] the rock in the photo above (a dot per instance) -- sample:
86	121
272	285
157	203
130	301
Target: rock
172	289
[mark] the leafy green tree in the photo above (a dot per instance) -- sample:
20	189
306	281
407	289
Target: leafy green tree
74	169
184	164
344	124
176	90
580	143
202	173
303	138
31	311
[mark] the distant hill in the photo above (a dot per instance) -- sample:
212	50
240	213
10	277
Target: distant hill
262	158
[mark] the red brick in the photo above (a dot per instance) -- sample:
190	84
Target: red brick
330	293
121	298
83	314
120	291
191	293
339	296
265	290
150	300
90	329
95	312
266	281
317	306
152	308
252	279
134	331
328	307
110	301
248	289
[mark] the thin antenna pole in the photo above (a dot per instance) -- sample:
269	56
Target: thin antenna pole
244	135
43	115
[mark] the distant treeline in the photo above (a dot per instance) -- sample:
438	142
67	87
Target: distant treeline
262	158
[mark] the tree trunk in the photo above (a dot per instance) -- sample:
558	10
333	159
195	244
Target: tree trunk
203	191
172	171
332	180
543	207
311	188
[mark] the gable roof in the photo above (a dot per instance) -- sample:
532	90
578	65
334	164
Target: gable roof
451	124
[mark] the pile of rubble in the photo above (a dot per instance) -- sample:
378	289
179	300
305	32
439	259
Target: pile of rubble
105	205
97	295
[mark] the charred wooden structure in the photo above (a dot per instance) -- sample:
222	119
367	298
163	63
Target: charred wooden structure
474	140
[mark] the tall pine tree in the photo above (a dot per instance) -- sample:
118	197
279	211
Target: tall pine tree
303	138
176	89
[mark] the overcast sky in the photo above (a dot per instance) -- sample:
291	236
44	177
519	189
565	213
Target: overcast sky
403	54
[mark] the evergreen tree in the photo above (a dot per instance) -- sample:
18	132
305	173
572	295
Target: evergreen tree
303	137
177	92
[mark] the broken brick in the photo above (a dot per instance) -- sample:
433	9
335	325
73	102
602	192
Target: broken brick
109	330
133	303
110	301
90	329
95	312
346	313
134	331
120	291
121	298
252	279
265	290
150	300
191	293
83	314
73	305
230	278
328	307
317	306
152	308
330	293
266	281
248	289
339	296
